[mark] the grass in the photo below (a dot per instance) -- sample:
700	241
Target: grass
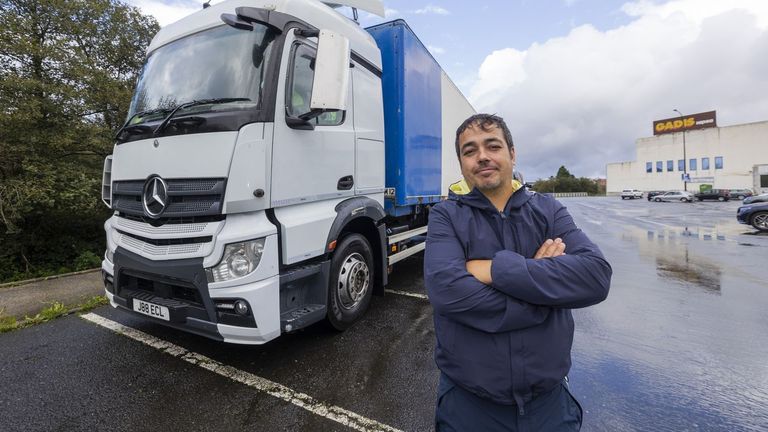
55	310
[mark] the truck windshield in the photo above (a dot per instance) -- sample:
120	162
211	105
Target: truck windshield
222	62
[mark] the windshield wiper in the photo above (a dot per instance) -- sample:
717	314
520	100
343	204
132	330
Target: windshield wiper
138	114
215	101
136	129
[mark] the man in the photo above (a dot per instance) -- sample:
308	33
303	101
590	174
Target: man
503	269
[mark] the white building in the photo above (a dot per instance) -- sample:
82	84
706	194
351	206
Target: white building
731	157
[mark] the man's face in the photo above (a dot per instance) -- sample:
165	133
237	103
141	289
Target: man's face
486	161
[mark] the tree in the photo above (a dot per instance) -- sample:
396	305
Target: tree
67	68
564	181
563	173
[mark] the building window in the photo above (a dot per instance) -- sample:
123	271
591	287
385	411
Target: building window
763	181
649	167
692	165
705	163
670	165
681	165
659	166
719	162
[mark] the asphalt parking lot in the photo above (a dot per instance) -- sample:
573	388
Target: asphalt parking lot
680	344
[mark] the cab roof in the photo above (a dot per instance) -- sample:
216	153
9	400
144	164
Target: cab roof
313	12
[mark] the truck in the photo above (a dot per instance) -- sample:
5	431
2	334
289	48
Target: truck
277	161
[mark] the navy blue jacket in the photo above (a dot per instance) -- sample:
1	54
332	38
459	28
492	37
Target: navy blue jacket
511	340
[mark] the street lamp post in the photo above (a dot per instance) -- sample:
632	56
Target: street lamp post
685	159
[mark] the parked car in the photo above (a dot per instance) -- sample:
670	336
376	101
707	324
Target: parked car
754	214
631	194
740	193
714	194
674	196
756	199
652	194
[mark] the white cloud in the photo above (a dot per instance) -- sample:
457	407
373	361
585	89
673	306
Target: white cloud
389	13
435	49
582	100
167	13
431	9
697	10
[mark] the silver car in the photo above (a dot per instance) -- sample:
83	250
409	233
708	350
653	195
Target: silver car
756	199
674	196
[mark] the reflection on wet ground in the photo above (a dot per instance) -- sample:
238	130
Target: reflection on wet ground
688	272
673	259
681	342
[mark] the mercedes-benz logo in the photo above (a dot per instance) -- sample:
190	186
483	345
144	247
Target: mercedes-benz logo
155	197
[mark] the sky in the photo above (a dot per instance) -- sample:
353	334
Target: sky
578	81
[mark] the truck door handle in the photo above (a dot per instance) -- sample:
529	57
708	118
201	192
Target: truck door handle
345	183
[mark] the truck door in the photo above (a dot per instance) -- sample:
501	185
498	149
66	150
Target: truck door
309	163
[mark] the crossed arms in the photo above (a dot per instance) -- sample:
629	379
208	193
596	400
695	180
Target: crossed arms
510	291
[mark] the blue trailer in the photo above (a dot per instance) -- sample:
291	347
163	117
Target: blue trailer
422	109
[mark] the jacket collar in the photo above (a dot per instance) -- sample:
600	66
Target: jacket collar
460	192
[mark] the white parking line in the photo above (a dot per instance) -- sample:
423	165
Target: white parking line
302	400
409	294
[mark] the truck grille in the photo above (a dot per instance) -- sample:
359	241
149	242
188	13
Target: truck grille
140	226
187	197
185	295
159	250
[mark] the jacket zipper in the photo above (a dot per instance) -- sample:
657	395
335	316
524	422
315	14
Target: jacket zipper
518	398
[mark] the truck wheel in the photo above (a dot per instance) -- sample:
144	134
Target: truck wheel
721	199
657	199
351	284
741	197
760	221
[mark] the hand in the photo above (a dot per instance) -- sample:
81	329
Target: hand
550	249
481	270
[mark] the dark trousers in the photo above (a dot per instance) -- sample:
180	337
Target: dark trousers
460	410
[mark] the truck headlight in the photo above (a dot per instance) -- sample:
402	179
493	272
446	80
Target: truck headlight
239	259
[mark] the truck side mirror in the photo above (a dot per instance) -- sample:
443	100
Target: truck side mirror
331	81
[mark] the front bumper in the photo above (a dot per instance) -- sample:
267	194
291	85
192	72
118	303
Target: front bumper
743	214
181	286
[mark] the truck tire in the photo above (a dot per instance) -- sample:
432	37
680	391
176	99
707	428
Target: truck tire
657	199
721	199
351	281
760	221
741	197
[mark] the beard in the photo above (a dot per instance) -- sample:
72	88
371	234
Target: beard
489	185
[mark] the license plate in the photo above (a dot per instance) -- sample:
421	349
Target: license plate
151	309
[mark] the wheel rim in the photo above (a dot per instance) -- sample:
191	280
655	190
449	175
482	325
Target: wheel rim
353	281
761	221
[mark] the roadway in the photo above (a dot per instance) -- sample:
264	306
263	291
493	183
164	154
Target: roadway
680	344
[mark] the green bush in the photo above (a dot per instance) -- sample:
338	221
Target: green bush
87	260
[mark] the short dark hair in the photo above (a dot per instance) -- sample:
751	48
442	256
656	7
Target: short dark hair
485	122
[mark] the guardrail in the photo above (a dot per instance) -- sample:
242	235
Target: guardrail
565	194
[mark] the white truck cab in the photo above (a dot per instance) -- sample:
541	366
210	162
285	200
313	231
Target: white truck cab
248	183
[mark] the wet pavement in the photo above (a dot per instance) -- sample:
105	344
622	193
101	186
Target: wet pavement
680	344
682	341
